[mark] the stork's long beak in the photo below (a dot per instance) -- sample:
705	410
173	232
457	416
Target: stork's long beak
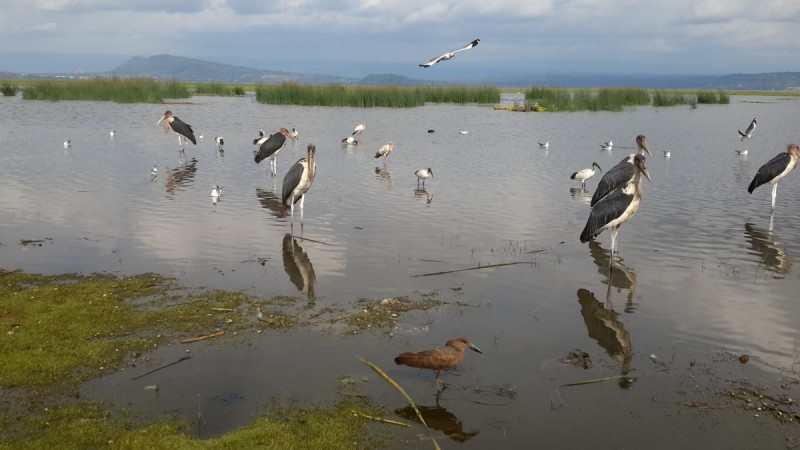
646	149
159	120
646	173
474	348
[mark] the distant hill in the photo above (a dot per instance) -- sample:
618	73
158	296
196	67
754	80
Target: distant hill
195	70
760	81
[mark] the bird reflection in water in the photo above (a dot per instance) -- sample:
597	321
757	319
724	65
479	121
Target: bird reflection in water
769	251
617	275
440	419
180	176
604	326
298	266
580	195
271	201
423	196
381	174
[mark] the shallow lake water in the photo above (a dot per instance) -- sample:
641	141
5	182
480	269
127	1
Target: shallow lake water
699	274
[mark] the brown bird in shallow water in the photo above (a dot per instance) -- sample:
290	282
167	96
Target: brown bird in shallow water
438	359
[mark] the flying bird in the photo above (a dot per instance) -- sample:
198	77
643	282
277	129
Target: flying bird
449	55
180	127
585	174
775	169
423	174
617	207
269	148
620	174
438	359
748	133
298	180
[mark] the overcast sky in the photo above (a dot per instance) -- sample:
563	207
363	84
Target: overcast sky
377	36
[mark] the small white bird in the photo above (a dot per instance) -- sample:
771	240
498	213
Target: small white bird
216	191
742	152
349	140
67	143
294	135
220	142
423	174
667	154
607	146
200	137
359	128
450	54
154	171
464	131
112	133
545	145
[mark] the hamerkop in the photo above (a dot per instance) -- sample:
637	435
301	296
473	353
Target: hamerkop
439	358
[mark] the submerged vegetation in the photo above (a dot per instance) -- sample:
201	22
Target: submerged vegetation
290	93
115	89
539	98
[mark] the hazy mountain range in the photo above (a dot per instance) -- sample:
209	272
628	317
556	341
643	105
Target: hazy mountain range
195	70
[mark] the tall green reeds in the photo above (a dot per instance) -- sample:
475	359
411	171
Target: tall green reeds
8	89
614	99
290	93
115	89
217	88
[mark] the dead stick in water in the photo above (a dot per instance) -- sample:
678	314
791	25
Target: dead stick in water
470	268
202	338
309	239
184	358
379	419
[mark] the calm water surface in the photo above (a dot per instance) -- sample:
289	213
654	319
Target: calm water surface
700	272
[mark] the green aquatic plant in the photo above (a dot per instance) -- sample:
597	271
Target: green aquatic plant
115	89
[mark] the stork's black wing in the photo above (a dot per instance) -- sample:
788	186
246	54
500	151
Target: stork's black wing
291	181
183	128
270	146
770	170
618	176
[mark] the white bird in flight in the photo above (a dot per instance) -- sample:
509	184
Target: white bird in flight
449	55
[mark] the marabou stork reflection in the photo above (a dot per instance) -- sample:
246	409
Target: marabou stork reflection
770	253
298	266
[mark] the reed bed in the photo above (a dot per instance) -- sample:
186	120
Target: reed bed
290	93
115	89
539	98
8	89
217	88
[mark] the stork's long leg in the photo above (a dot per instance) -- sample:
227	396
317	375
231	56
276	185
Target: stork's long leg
614	242
774	194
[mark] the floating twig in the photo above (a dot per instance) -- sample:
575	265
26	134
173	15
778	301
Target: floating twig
202	338
404	394
596	380
184	358
471	268
380	419
311	240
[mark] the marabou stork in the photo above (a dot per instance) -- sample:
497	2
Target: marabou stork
450	54
620	174
585	174
775	169
617	207
180	127
359	128
297	181
748	133
384	151
269	148
423	174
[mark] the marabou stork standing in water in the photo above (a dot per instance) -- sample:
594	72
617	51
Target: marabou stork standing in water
423	174
180	128
748	133
585	174
384	151
775	169
617	207
297	181
620	174
270	146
